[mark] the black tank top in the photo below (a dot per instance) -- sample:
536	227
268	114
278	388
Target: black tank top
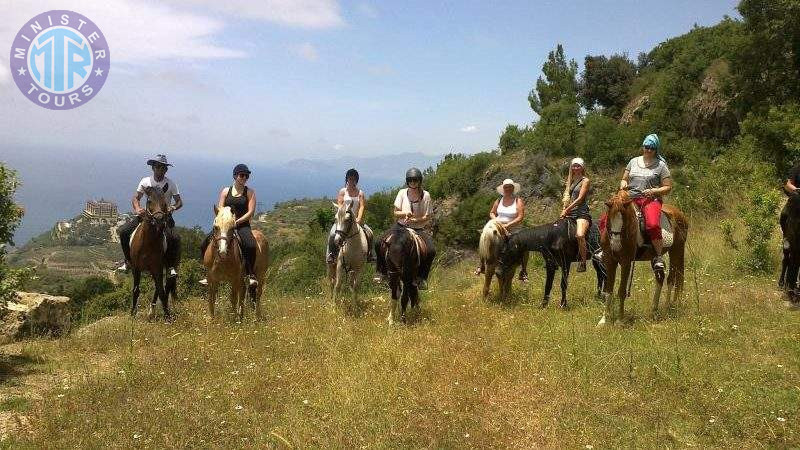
237	204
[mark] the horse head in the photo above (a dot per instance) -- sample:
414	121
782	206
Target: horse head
621	219
344	220
224	224
156	208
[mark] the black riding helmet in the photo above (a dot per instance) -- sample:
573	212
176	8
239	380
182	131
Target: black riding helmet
351	173
413	174
240	168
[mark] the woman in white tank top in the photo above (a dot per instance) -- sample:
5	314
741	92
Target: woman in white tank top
510	211
350	193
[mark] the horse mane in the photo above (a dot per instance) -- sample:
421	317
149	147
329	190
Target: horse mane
492	238
225	219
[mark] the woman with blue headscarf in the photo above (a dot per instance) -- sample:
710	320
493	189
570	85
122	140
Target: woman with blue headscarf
647	180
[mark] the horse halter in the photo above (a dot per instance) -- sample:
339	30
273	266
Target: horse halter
346	234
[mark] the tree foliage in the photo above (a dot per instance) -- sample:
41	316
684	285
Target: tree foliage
10	217
559	82
606	82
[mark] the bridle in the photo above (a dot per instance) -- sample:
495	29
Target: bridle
228	239
347	233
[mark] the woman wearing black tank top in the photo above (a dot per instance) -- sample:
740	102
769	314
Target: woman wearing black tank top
242	201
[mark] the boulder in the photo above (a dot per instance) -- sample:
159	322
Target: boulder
31	313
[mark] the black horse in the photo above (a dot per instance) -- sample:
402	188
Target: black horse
404	256
559	248
790	225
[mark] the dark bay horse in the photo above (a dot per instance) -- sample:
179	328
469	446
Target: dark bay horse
620	242
404	256
558	246
790	265
148	247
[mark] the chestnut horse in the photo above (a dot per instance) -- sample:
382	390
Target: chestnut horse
148	247
224	261
620	242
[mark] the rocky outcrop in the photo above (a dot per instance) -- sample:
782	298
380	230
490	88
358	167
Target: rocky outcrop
30	314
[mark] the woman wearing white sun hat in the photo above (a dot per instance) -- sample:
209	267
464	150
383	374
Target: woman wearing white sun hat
509	210
576	206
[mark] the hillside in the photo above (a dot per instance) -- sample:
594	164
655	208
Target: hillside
722	371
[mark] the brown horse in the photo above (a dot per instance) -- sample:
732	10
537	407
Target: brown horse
620	242
148	247
224	261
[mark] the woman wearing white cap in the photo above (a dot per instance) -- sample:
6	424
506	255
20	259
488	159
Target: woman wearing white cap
576	207
509	210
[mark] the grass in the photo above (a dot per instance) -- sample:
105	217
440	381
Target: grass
723	371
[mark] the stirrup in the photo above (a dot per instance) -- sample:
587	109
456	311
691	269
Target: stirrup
658	264
251	281
172	273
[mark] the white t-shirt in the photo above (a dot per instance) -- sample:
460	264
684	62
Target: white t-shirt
418	209
172	188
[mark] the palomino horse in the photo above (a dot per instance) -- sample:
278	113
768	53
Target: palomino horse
402	253
493	238
352	243
224	261
148	247
620	240
558	246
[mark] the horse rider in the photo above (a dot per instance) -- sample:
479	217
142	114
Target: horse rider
509	210
413	209
576	205
158	181
351	193
790	188
242	201
648	179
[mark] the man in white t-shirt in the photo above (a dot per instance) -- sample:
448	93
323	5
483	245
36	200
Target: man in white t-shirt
159	181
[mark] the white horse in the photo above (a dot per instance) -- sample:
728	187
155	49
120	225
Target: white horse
352	242
492	237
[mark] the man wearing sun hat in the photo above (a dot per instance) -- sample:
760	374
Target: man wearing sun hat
159	181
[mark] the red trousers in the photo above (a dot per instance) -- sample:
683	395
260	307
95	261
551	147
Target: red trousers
651	209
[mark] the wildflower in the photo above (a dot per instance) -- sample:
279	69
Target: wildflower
466	435
305	402
136	435
239	407
60	396
235	372
712	420
719	389
589	446
781	419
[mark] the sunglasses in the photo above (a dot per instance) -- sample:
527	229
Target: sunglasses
649	147
243	175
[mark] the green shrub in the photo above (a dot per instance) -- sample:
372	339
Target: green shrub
463	226
380	211
759	220
190	272
458	175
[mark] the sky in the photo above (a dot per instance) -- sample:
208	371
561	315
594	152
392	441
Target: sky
277	80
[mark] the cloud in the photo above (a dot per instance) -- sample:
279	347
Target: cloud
338	147
306	51
317	14
469	129
137	33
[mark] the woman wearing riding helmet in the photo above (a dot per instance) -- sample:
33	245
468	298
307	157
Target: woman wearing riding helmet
647	180
413	209
242	201
576	205
350	193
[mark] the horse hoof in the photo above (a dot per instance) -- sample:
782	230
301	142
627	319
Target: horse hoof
562	305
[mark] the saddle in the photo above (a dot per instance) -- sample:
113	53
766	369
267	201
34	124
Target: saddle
666	230
419	243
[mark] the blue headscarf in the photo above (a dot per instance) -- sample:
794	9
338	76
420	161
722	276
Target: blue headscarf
652	141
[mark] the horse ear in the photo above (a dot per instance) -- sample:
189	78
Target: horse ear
608	204
216	210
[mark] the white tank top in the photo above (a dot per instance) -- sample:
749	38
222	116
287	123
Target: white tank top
355	200
506	214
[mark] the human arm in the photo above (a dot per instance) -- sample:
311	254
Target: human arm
520	214
664	189
623	183
362	206
581	198
340	197
251	207
177	205
493	211
137	207
221	201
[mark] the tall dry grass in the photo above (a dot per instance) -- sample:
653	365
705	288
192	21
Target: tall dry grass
724	371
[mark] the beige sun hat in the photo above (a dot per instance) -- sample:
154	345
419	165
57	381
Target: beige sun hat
506	182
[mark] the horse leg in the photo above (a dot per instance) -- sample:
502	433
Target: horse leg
601	277
608	294
487	279
137	278
564	283
212	298
625	273
548	283
240	297
354	284
257	298
659	275
340	278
